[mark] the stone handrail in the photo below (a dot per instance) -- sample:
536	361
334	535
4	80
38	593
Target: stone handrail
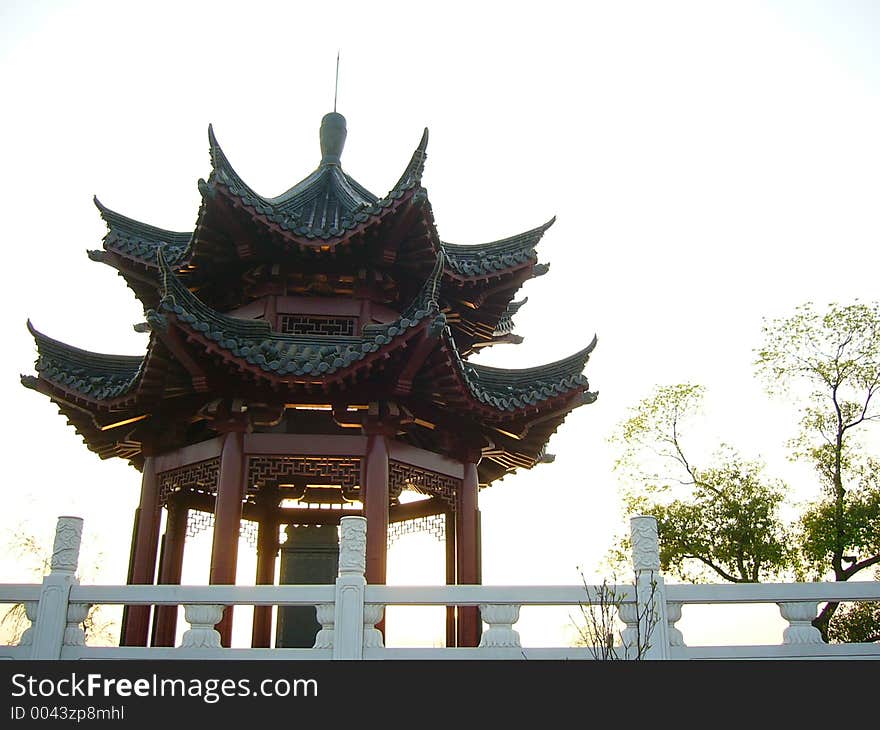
349	610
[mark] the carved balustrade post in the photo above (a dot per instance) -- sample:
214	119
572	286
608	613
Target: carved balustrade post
501	619
202	618
653	628
348	630
52	612
800	615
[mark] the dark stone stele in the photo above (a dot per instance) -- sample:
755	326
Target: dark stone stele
310	556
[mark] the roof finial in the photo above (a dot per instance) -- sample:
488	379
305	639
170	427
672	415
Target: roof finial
333	130
336	88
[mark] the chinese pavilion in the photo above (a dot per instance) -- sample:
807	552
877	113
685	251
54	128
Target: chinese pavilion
308	359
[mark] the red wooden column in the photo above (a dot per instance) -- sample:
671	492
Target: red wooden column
227	522
136	622
467	546
267	549
375	487
170	568
450	576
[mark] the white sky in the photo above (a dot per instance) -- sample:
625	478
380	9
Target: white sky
710	163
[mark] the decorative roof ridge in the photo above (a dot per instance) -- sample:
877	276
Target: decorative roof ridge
515	241
505	322
428	294
172	290
137	232
221	169
509	390
480	259
323	205
95	375
286	354
412	175
53	346
570	365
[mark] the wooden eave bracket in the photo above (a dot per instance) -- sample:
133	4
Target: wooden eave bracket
416	358
176	347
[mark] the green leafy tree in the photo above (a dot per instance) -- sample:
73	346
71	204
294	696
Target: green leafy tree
718	519
723	517
828	363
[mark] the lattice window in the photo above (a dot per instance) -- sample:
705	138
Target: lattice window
404	476
198	478
345	471
198	521
432	524
303	324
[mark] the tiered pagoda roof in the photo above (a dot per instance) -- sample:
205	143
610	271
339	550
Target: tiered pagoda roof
326	238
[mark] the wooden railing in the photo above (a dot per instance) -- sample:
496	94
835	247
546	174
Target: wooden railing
349	611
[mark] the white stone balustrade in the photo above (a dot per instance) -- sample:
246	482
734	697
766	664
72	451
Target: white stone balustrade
501	619
649	610
202	618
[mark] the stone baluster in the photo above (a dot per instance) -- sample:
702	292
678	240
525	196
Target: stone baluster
74	632
348	630
30	610
372	615
501	619
799	615
628	612
325	613
202	618
673	616
52	612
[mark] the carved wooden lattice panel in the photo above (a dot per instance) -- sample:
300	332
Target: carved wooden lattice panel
198	521
345	471
201	478
302	324
405	476
432	524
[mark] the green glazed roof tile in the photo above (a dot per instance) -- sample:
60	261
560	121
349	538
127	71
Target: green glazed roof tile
91	374
283	354
324	205
486	258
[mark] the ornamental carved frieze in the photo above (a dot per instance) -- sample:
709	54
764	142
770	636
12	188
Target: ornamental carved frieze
275	470
199	478
405	476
